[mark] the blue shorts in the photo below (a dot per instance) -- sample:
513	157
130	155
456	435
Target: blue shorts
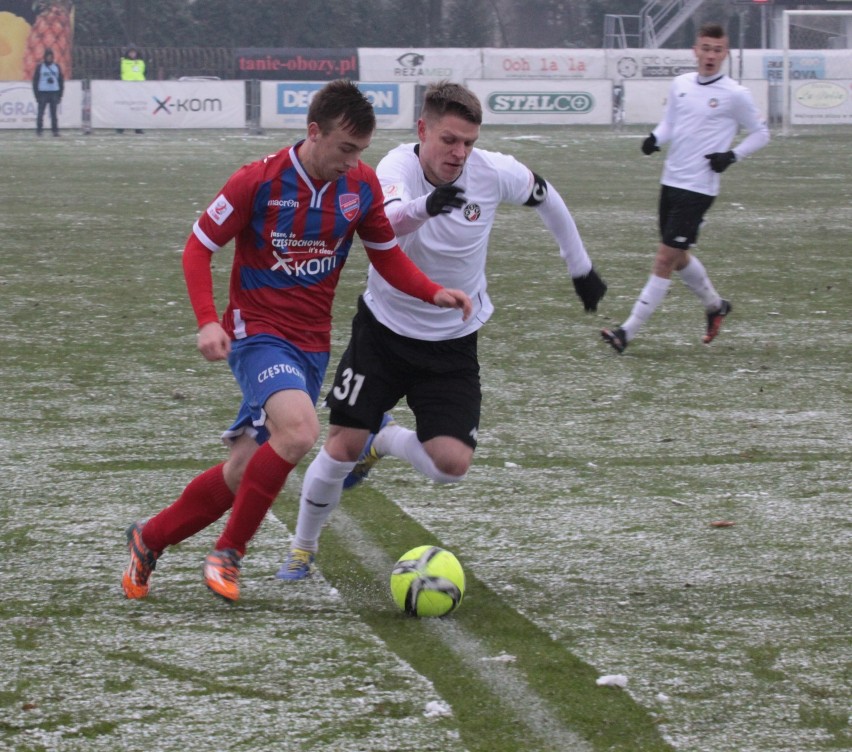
262	365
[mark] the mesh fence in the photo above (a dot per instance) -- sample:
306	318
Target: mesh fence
161	63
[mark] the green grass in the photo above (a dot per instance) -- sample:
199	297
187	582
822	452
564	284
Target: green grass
584	525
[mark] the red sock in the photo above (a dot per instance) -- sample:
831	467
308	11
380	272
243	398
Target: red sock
263	479
203	501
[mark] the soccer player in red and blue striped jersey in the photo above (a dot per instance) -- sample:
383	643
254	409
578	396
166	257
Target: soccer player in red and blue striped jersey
292	216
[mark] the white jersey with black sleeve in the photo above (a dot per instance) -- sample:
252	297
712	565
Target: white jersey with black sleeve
452	248
703	118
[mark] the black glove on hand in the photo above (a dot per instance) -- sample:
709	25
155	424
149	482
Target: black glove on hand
721	160
444	199
591	289
649	145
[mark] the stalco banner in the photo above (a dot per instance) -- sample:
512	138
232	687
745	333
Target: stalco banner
544	101
26	28
296	63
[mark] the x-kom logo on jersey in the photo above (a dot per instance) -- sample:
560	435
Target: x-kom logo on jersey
282	263
162	104
304	267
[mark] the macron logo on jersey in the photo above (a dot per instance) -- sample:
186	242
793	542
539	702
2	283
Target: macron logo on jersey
220	209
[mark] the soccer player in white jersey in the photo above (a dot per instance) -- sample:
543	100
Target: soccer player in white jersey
441	196
704	111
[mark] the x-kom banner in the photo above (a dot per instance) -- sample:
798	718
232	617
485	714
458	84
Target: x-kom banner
168	104
284	104
544	102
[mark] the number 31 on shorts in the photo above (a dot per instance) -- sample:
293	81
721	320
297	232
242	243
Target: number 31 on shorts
349	387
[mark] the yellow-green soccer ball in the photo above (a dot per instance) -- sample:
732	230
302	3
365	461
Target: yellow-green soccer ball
427	581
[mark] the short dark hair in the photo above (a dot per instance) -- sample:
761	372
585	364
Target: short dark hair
342	103
446	98
712	30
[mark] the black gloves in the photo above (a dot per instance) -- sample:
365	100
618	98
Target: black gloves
721	160
444	199
590	289
649	145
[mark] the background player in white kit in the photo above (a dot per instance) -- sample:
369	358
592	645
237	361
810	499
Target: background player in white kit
441	196
704	110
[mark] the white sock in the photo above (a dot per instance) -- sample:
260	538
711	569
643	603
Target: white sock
648	301
396	441
694	276
321	492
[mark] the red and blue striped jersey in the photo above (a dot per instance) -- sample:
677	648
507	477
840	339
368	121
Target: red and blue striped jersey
292	236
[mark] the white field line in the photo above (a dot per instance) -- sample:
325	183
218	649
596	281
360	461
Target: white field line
501	678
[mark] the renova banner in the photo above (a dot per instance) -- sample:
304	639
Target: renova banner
168	104
18	107
419	65
284	104
543	63
544	102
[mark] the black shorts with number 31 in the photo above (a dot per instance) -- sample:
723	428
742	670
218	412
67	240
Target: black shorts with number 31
440	381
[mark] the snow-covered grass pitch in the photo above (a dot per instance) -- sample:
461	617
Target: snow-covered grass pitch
585	528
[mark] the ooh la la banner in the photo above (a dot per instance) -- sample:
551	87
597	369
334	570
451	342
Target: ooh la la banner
27	28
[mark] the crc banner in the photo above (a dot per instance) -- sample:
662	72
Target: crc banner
544	102
645	101
419	65
543	63
622	65
284	104
297	63
168	104
18	106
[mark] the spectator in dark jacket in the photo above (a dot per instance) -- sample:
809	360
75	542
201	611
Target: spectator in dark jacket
48	85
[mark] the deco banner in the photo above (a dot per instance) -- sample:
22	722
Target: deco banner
284	104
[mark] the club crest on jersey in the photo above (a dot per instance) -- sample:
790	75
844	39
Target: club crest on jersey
472	212
349	204
713	103
220	209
